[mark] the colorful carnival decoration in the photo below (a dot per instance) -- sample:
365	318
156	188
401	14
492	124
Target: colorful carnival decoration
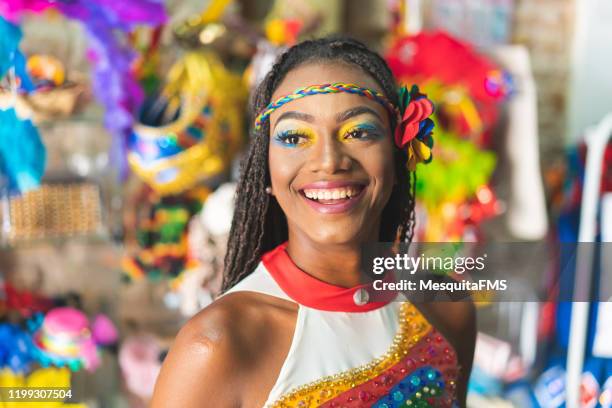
283	32
203	28
53	94
65	338
16	348
47	93
472	87
414	129
162	237
11	57
106	23
140	359
23	302
22	154
454	191
198	285
46	71
190	132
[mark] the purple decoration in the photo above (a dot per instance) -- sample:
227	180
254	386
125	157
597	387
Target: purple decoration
114	83
106	23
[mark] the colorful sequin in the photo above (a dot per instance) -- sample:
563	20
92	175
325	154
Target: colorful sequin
420	368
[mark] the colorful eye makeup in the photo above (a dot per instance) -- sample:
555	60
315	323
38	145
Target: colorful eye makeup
349	132
294	137
357	130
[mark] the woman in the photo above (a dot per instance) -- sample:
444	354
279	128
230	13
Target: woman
295	327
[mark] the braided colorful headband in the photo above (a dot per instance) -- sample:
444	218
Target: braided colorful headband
413	129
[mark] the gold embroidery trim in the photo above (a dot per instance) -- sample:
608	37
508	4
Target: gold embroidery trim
413	327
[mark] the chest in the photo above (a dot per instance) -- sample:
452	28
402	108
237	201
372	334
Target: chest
381	358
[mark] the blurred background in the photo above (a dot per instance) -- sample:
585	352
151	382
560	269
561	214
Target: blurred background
122	125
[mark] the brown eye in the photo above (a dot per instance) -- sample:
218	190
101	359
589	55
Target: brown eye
290	138
356	134
363	134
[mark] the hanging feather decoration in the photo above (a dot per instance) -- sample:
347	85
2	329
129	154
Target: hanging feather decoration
22	154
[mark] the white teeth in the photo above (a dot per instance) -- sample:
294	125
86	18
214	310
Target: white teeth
331	194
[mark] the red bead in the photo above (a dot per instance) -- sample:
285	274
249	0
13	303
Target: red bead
387	379
364	396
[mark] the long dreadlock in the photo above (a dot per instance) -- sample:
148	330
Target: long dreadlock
259	224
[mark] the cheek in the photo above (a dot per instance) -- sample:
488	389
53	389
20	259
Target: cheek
379	165
284	166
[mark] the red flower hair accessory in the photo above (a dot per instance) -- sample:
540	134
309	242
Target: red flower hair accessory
414	130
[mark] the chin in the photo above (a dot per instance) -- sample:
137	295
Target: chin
336	236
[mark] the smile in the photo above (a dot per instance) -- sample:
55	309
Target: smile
332	197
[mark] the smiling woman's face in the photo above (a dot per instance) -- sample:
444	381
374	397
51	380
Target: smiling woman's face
331	157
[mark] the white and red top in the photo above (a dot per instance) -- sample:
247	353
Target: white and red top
350	352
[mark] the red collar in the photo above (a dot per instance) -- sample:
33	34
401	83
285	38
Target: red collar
317	294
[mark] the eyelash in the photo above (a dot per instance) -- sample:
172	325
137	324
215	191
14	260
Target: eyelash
285	136
370	134
358	133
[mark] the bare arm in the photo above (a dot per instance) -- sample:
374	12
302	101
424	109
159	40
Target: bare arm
200	369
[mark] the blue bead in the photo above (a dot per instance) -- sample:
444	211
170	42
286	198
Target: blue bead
431	374
414	380
398	396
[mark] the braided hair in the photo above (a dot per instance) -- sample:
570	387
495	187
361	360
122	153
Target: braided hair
259	224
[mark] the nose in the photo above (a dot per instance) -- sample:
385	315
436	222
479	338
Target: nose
329	156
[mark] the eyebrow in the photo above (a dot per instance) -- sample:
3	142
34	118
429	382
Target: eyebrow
359	110
296	115
341	117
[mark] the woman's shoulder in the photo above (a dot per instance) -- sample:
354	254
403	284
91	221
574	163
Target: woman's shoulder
237	315
225	338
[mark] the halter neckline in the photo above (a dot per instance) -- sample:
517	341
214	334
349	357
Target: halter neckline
311	292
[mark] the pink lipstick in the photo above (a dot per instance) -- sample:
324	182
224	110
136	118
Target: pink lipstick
333	197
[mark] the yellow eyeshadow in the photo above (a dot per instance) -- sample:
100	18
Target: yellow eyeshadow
307	136
356	125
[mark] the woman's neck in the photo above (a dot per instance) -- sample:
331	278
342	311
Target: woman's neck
337	264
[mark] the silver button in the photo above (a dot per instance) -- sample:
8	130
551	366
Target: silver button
361	297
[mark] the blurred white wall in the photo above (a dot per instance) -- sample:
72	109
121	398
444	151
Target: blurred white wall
590	92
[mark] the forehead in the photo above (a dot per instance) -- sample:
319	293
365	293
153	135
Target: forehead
326	105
